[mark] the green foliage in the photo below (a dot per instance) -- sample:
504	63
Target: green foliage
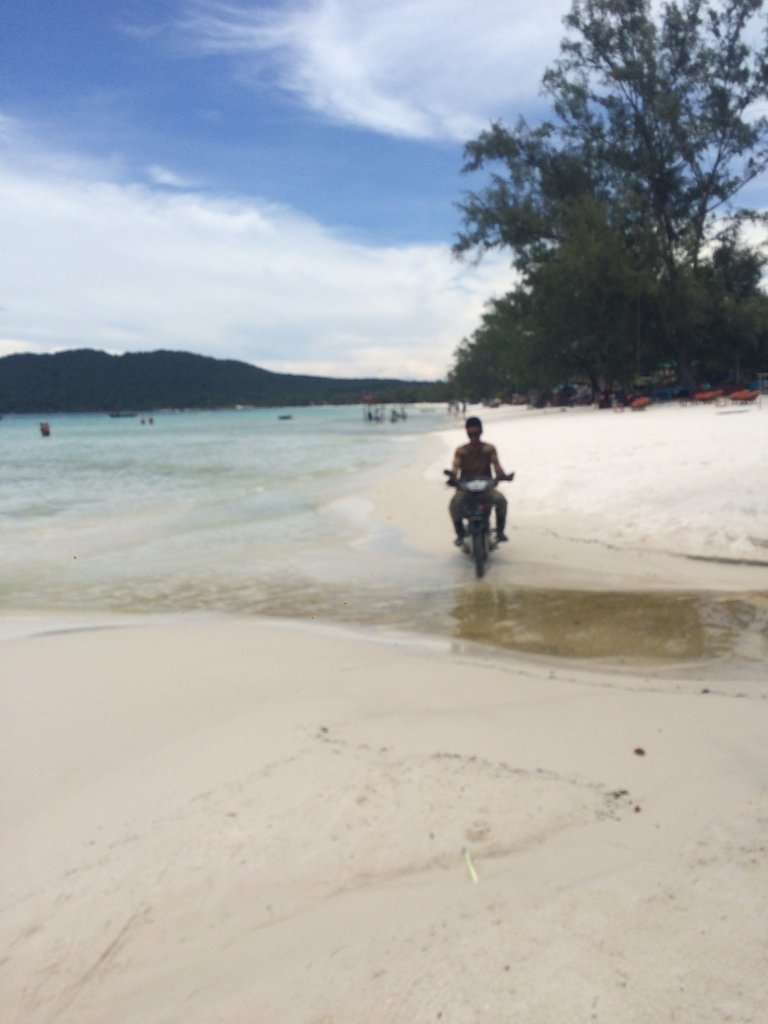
497	359
615	208
735	319
88	381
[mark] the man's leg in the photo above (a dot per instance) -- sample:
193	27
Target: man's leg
456	509
500	504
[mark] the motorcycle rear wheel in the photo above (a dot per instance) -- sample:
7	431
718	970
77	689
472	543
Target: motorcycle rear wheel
479	553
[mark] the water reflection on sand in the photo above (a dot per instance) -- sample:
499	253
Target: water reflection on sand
638	627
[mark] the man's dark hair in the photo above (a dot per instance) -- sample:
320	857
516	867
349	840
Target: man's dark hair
473	421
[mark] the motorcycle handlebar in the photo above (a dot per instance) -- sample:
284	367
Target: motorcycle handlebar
454	481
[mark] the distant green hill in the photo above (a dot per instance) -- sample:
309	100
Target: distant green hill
89	381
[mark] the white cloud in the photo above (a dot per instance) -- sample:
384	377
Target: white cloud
167	178
98	263
414	68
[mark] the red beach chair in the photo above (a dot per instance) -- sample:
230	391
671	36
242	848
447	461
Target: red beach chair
744	397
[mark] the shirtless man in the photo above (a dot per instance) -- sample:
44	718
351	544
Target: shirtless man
473	461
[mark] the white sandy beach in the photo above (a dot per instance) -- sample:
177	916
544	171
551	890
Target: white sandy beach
597	493
218	820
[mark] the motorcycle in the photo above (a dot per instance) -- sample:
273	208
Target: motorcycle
480	538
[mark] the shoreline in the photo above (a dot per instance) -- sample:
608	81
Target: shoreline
572	574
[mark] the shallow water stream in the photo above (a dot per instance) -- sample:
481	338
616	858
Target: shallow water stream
636	627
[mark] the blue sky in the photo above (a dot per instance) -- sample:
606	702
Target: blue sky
266	181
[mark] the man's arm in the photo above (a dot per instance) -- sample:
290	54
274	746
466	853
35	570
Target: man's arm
497	465
456	467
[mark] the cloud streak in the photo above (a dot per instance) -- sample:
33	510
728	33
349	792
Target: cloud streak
125	267
425	69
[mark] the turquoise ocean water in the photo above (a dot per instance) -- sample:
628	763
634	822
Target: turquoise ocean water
232	511
244	513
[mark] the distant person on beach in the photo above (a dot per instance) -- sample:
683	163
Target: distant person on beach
477	460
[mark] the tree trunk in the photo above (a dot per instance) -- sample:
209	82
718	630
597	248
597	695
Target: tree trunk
685	371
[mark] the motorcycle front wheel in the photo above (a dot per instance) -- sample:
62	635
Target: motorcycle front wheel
479	553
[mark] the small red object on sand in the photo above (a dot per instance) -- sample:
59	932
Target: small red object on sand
742	397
